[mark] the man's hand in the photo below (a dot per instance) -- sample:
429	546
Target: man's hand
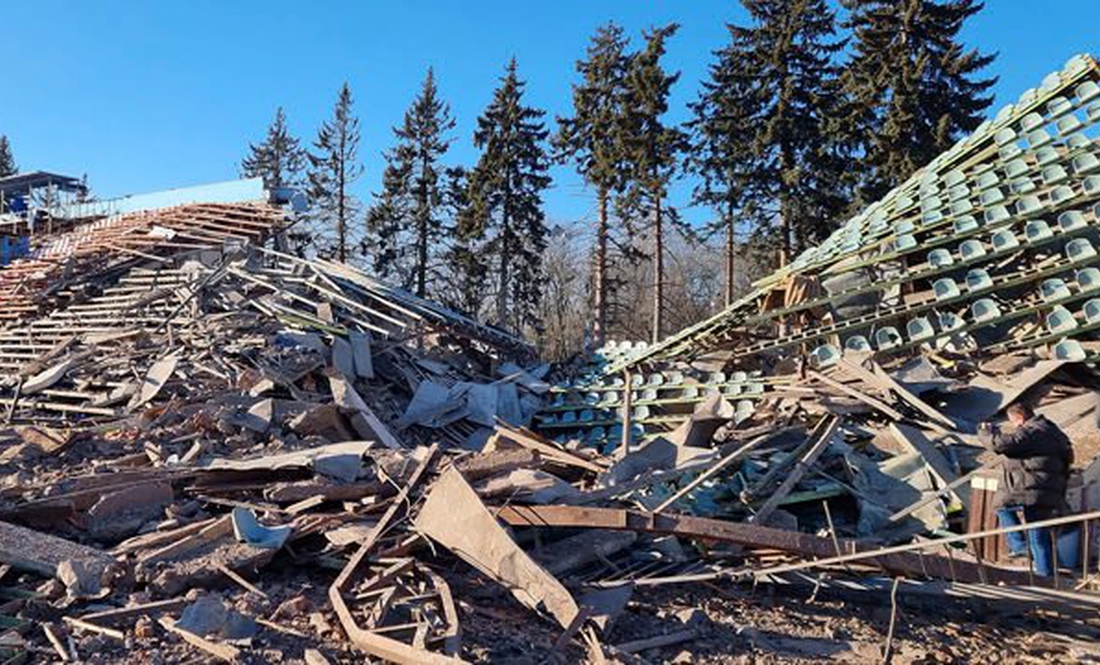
985	433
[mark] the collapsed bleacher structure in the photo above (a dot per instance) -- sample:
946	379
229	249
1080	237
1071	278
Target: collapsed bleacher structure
211	445
991	248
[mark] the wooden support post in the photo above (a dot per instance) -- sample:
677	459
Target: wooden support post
628	399
1085	551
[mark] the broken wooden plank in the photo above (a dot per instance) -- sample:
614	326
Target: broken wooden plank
506	434
657	641
857	394
713	469
56	642
93	628
455	517
127	614
380	645
344	395
824	438
993	575
157	376
879	378
245	584
226	652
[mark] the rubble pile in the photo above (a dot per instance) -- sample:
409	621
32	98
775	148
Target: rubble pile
214	450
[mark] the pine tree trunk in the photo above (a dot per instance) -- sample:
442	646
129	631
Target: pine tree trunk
787	164
658	271
730	248
505	256
600	328
422	234
422	259
341	222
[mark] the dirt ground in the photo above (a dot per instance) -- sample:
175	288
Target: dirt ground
736	625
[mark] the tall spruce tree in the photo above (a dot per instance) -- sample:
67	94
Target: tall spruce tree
407	225
334	167
279	159
505	190
912	88
467	268
652	149
592	139
786	56
7	159
722	153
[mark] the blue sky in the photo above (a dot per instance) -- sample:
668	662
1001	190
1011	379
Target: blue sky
152	95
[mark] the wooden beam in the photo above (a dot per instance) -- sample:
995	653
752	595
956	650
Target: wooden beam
906	562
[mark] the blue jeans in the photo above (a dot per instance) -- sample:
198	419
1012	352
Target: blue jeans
1039	540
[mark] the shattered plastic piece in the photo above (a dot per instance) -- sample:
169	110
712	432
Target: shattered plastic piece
248	530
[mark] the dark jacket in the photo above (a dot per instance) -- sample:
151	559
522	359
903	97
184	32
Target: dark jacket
1035	469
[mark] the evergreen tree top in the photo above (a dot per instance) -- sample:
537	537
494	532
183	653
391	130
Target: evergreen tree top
7	159
652	147
337	141
279	159
510	135
593	135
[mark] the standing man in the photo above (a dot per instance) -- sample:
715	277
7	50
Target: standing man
1037	457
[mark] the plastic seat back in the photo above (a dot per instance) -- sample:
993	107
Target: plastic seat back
1038	138
985	310
1059	106
1037	230
857	343
1054	174
1091	185
978	279
1029	205
940	258
1079	249
1088	278
1054	289
1060	320
887	338
965	224
1086	163
1069	350
1068	125
945	288
1071	220
996	215
1046	155
919	328
1086	91
950	321
1004	240
824	356
1022	185
971	249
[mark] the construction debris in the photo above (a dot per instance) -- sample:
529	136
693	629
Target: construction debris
213	449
